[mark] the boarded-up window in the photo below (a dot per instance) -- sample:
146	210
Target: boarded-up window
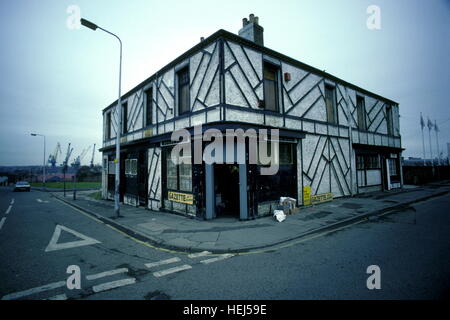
361	106
108	125
330	99
125	117
270	87
183	91
148	107
389	120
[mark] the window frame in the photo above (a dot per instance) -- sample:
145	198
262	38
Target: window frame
389	120
178	176
179	73
148	115
332	88
124	128
108	125
361	109
276	82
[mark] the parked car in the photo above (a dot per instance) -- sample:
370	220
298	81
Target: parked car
22	186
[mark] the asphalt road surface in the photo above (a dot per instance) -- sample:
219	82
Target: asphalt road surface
40	237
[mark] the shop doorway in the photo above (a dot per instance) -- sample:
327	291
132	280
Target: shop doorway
226	178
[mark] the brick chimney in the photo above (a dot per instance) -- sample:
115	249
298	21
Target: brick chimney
251	30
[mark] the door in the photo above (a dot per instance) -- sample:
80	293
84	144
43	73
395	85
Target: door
226	178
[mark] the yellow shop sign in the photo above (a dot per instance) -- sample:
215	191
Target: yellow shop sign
320	198
181	197
306	195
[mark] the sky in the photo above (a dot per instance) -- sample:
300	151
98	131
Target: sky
56	80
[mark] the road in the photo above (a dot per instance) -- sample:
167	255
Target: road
411	248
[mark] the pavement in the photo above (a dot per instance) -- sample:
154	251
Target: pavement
228	235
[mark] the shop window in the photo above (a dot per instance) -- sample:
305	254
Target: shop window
330	100
131	167
367	162
287	153
284	182
111	167
270	87
392	167
179	177
183	91
361	107
360	162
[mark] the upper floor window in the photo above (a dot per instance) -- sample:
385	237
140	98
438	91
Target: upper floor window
270	87
183	91
389	120
125	118
108	125
148	106
361	109
330	99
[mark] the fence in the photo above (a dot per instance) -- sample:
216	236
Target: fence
421	175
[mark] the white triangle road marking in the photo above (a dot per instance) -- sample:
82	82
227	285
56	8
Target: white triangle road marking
53	245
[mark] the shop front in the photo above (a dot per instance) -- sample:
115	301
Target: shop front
232	185
377	168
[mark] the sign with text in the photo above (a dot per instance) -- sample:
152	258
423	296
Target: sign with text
306	195
185	198
320	198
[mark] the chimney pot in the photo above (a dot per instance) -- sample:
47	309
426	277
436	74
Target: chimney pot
252	31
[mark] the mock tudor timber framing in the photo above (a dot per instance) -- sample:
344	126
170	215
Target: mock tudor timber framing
226	87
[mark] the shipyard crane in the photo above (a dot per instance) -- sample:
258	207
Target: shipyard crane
76	163
92	158
66	160
65	165
53	157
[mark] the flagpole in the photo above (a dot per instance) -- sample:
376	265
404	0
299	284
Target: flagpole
422	124
430	125
436	129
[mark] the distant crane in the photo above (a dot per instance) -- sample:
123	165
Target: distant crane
65	166
93	155
53	157
66	160
77	162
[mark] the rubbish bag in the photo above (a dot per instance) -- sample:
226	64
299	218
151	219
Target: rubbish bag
279	215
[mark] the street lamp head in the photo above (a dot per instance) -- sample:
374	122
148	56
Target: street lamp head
88	24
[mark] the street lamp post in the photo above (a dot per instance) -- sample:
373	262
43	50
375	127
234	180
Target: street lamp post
94	27
43	167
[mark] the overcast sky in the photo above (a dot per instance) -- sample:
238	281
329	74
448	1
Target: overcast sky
55	81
